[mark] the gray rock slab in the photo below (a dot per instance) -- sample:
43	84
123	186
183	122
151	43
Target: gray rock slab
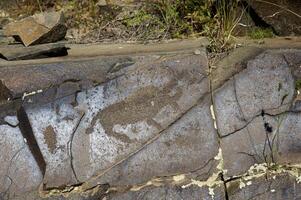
267	84
188	146
19	172
128	112
250	145
85	134
232	64
42	80
278	187
53	125
170	193
288	139
19	52
229	114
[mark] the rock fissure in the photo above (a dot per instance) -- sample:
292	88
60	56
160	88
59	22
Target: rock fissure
71	145
149	141
159	129
27	132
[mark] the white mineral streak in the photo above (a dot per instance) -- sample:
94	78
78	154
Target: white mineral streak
178	178
31	93
213	116
154	182
213	180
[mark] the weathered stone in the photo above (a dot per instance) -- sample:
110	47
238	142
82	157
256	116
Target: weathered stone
19	52
266	85
38	29
232	64
4	39
229	113
54	135
288	139
276	187
133	110
283	16
170	193
189	145
250	145
11	120
80	137
46	78
142	125
19	172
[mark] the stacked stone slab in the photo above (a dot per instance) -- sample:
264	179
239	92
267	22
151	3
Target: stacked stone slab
38	29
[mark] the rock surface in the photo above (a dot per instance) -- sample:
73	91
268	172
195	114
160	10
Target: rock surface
38	29
19	52
282	186
283	16
153	125
170	193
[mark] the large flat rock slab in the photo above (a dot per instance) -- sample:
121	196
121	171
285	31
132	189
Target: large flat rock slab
189	145
151	124
89	133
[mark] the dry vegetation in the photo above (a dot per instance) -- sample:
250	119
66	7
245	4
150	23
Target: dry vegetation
90	21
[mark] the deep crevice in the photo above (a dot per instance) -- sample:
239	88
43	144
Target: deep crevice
5	93
225	186
258	21
27	132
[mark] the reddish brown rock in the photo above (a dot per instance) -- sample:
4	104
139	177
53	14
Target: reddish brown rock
38	29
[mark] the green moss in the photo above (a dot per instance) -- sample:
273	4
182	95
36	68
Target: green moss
139	18
298	84
260	33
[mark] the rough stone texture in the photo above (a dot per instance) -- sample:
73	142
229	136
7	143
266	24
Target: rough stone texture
131	113
19	172
48	82
170	193
288	139
230	117
88	134
244	107
4	39
283	16
187	146
140	127
40	28
244	148
53	134
282	186
267	84
19	52
232	64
